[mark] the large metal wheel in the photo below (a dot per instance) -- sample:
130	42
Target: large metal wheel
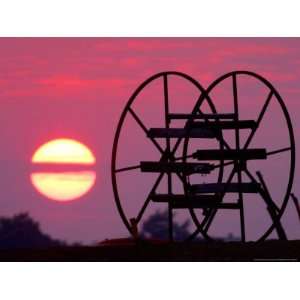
168	152
235	82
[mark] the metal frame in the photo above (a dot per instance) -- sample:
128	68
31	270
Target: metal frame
168	154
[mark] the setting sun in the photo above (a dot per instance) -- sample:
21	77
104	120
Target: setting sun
63	151
64	184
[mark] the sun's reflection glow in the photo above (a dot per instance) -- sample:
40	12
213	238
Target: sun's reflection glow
63	186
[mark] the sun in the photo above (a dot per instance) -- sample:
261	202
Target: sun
63	169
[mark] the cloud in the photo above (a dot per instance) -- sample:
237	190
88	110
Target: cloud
281	77
69	82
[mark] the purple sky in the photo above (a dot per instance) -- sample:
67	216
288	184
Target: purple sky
78	87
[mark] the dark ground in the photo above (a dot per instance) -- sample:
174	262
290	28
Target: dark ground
127	250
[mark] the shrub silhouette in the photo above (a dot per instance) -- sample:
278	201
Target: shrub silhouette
156	226
21	231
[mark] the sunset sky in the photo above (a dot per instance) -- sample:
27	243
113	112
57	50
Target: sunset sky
77	88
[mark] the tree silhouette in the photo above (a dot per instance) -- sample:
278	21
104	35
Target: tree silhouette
156	226
21	231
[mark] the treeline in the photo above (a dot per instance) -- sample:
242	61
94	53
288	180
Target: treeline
21	231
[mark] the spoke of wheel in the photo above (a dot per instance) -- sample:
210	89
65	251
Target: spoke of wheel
279	151
167	122
252	178
141	212
168	150
237	145
259	119
222	141
176	145
271	208
127	168
138	120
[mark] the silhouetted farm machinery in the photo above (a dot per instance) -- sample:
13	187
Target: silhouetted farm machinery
227	161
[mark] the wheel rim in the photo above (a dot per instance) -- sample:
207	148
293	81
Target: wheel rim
124	114
274	93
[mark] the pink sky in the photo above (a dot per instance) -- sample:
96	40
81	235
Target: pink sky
78	87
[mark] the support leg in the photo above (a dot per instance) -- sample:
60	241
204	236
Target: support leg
271	208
